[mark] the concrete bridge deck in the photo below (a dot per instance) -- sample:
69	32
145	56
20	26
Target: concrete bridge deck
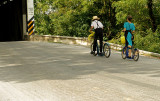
37	71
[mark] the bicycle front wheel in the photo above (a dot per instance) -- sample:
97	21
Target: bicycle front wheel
136	54
124	53
107	50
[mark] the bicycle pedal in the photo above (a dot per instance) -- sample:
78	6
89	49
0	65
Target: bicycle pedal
129	58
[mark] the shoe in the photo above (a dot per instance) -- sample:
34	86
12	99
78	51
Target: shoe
132	57
91	52
94	53
101	54
129	57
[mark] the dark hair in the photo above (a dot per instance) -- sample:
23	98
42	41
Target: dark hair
129	18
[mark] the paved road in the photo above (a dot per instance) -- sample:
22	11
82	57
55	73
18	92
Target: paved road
36	71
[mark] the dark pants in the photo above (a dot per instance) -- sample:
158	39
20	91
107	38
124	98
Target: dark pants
98	34
126	43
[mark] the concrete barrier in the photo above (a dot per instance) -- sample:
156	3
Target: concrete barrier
79	41
60	39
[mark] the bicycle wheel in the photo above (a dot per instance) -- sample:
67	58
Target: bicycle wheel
107	50
136	54
124	53
91	47
94	53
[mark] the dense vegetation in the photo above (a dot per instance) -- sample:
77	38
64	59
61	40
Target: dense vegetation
73	18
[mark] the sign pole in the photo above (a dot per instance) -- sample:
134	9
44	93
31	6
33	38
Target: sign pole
30	17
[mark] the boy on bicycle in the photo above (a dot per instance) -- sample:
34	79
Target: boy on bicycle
129	29
98	27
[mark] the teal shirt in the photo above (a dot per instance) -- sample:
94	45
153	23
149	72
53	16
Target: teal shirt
129	26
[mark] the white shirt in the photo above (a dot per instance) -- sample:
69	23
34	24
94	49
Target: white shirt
94	24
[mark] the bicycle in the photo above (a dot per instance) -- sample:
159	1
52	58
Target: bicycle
106	47
134	53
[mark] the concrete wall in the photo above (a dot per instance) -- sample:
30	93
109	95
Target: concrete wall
60	39
79	41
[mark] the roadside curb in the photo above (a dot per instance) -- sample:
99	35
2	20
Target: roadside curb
142	52
81	41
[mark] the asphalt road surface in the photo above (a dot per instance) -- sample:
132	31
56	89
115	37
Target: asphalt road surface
39	71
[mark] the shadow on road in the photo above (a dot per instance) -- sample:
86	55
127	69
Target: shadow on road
28	61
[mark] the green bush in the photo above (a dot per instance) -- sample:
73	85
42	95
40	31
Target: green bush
150	42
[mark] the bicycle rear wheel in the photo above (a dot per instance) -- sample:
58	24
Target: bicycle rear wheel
124	53
107	50
91	48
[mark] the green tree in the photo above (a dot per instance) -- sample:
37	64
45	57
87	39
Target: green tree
73	18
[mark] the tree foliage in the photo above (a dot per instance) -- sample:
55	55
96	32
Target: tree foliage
73	17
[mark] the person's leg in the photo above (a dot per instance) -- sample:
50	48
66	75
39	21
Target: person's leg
95	42
100	36
126	42
101	41
130	50
129	39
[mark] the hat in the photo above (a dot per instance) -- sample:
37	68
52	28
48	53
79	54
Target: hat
95	18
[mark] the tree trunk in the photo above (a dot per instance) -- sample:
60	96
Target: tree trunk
152	18
110	10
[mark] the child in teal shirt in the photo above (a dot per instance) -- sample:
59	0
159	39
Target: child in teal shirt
129	29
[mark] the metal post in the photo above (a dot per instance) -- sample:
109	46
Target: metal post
30	17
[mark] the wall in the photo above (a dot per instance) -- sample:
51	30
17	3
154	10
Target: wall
79	41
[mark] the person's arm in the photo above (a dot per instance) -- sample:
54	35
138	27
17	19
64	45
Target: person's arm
124	28
133	29
101	25
91	28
